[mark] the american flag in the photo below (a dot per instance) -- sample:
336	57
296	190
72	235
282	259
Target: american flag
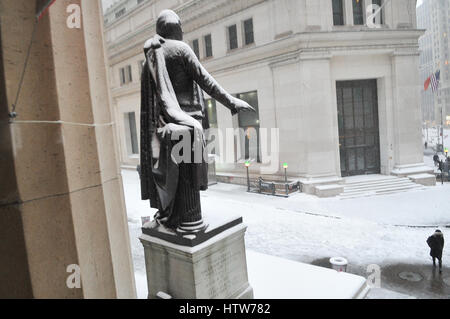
435	78
42	6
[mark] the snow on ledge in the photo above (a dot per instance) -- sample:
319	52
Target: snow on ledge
277	278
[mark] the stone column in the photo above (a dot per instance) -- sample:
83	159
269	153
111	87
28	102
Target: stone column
348	12
61	202
407	115
318	119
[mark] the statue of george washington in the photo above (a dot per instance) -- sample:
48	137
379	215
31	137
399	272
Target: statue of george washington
172	104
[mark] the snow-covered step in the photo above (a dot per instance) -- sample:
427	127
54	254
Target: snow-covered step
381	188
378	186
364	186
384	191
398	190
379	181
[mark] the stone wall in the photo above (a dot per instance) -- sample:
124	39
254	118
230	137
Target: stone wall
61	198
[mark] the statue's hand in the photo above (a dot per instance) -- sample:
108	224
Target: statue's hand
242	106
171	128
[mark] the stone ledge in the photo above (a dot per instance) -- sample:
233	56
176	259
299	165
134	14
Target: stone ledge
309	186
423	179
332	190
415	169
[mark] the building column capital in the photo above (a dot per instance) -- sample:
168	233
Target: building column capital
315	55
406	52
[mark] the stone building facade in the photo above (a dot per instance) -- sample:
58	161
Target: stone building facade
343	92
63	224
434	17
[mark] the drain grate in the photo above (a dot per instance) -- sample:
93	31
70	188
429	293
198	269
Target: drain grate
447	281
410	276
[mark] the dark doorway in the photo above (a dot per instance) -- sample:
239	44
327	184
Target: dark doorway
359	138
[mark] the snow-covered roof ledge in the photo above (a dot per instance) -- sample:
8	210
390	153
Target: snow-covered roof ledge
285	279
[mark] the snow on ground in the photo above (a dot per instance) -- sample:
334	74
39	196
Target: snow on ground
308	229
292	228
276	280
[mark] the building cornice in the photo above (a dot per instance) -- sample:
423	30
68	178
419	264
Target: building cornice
194	14
335	40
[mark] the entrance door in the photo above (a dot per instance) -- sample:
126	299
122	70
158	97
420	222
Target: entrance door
359	136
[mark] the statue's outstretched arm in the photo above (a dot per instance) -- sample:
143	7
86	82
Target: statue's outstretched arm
207	82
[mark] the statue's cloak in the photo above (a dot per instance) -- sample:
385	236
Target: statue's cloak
159	178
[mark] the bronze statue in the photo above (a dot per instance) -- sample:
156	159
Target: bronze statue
172	103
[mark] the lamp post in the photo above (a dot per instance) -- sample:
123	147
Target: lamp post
285	166
247	165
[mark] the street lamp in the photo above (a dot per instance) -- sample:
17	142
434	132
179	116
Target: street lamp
285	166
247	165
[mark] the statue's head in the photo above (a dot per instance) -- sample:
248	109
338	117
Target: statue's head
168	25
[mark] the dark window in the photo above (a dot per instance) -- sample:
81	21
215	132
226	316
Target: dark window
379	17
125	75
120	13
130	123
122	76
196	48
338	12
130	74
141	66
358	18
212	118
232	37
208	46
249	121
248	32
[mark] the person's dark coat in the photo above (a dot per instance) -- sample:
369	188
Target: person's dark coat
436	244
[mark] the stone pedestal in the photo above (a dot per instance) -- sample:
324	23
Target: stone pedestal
214	267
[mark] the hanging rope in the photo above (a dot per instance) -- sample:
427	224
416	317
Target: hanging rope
41	10
13	113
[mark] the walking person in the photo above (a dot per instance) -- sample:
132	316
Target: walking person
436	159
441	168
447	168
436	244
